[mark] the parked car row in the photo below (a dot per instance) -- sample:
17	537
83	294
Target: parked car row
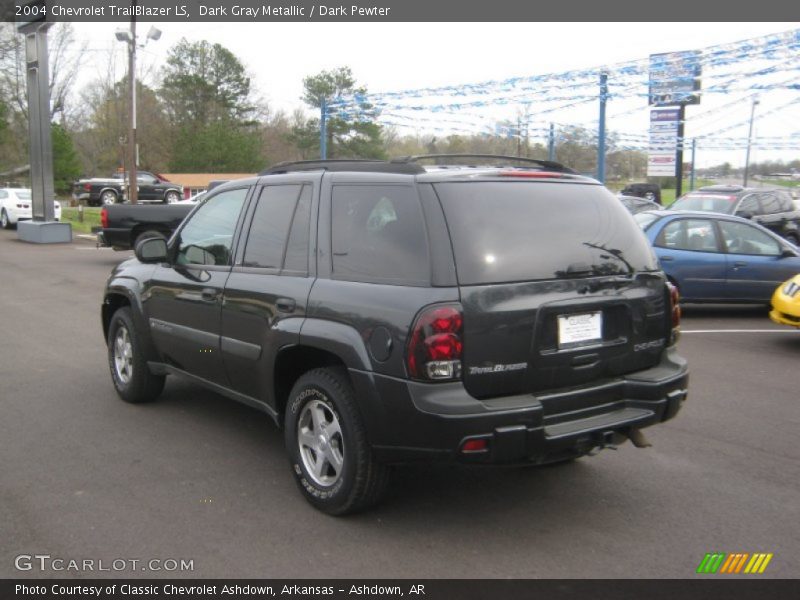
772	208
719	258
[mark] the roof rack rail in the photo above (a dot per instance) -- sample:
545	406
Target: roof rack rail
548	164
350	164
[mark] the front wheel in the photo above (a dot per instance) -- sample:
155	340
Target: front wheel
172	197
792	237
327	445
132	379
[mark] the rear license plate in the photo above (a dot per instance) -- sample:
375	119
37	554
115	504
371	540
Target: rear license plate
580	329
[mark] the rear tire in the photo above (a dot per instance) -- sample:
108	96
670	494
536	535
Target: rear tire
326	440
129	372
5	222
791	237
108	197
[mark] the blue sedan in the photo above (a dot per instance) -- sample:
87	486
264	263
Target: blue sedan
719	258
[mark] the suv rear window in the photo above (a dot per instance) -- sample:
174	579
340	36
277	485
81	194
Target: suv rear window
721	203
526	231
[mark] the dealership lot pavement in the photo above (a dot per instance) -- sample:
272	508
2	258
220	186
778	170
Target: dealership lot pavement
198	477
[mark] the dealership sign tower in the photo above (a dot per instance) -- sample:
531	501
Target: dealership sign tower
674	82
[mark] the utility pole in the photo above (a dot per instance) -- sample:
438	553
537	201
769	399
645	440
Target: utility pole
133	188
749	140
694	149
551	143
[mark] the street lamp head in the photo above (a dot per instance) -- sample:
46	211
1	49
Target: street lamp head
154	34
123	35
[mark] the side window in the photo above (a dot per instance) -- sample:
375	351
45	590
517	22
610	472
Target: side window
3	194
770	204
296	259
379	235
697	235
270	226
749	205
208	236
741	238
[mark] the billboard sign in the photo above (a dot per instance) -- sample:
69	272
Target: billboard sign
675	78
661	160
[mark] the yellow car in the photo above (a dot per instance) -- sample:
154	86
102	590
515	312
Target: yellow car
786	303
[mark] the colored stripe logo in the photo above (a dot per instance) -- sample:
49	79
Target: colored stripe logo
735	563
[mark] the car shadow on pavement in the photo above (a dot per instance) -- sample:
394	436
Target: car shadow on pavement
421	494
725	311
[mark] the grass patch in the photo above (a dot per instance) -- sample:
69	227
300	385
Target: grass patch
91	218
790	183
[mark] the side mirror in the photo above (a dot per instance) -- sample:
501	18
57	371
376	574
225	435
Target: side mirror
787	253
151	250
744	214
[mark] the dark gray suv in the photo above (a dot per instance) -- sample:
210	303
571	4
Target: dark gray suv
386	312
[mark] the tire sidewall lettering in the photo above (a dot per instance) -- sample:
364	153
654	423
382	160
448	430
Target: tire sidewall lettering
297	403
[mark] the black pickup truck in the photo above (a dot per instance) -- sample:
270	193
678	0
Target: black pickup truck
105	191
125	224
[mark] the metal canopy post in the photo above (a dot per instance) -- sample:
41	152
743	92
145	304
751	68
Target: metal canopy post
42	229
679	152
41	150
323	130
601	137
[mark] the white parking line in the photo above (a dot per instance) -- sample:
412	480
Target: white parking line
740	330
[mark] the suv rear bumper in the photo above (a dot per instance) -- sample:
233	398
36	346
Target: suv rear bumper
432	422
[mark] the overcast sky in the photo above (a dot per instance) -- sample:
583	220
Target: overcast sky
400	56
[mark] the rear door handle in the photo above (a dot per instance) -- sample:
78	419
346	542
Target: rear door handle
738	264
285	305
667	258
209	294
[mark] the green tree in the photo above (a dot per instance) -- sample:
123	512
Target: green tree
211	113
66	164
205	82
351	130
217	148
100	137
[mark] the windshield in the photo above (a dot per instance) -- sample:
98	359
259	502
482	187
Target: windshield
526	231
721	203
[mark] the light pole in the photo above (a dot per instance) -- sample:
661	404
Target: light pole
749	140
129	37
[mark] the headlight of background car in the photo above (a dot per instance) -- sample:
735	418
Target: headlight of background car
791	288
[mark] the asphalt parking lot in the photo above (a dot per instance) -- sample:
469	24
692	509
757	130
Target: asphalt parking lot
198	477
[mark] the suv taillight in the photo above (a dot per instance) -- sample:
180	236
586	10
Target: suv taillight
434	346
87	187
104	218
675	313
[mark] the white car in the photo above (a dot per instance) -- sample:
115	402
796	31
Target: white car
16	204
